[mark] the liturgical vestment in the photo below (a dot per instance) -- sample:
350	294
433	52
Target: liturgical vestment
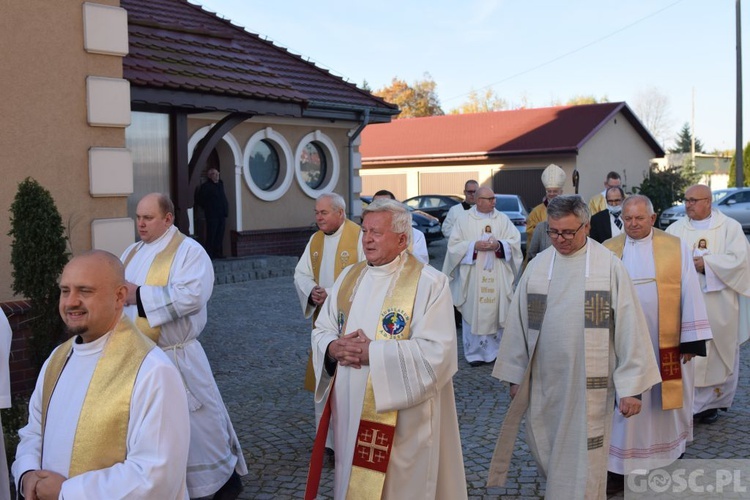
726	288
549	334
658	435
413	376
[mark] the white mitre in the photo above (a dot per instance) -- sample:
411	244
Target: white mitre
553	177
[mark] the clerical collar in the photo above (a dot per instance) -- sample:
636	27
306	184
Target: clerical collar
390	267
645	239
341	228
92	347
701	224
170	230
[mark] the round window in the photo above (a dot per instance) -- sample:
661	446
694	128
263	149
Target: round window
313	165
264	165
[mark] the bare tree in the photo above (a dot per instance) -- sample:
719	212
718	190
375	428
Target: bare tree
652	107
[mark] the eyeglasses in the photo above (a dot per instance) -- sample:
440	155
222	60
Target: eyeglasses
470	191
566	235
693	201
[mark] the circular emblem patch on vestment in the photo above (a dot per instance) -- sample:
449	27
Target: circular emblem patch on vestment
394	323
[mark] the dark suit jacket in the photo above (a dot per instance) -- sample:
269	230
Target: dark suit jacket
601	227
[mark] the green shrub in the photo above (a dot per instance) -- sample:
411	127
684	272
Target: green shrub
38	256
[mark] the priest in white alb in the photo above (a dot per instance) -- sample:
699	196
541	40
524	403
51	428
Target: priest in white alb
662	270
483	257
574	335
336	244
108	417
723	266
384	351
170	279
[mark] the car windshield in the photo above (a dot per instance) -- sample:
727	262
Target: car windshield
506	204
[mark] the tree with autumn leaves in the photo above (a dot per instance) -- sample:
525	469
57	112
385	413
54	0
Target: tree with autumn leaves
418	99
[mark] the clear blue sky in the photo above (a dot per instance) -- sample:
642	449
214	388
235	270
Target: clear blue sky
533	52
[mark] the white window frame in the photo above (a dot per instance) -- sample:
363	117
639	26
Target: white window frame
285	164
332	161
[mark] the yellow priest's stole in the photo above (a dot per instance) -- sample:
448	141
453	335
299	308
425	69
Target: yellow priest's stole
376	431
346	253
158	275
668	264
101	435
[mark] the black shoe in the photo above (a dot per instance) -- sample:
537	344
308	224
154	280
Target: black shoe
231	489
330	457
474	364
710	416
615	483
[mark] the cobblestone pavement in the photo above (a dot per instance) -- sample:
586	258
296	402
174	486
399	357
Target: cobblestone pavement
257	342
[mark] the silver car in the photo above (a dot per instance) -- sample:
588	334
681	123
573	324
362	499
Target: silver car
737	206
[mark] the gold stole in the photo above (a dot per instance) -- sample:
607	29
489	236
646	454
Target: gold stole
372	451
347	248
158	275
101	435
668	264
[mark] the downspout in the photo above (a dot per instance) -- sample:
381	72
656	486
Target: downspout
353	134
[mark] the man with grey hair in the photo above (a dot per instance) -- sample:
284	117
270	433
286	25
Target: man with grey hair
483	257
574	334
386	333
668	290
335	245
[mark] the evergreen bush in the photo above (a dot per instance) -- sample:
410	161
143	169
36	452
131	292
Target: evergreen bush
38	256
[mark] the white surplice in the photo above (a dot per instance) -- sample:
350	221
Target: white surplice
556	423
304	281
6	337
482	338
419	246
726	286
413	376
157	435
180	310
655	434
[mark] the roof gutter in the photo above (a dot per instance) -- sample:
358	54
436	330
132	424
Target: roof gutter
353	135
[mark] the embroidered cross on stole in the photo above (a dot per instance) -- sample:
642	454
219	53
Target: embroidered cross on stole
101	435
668	264
158	275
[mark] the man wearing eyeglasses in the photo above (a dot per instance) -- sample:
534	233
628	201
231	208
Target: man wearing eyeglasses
724	274
574	334
599	202
608	223
483	257
661	267
470	198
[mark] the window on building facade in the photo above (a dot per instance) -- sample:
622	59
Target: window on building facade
313	165
265	165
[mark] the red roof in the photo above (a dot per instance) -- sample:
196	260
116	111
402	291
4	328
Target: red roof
560	129
179	47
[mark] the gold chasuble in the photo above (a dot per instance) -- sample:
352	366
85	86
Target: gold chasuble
346	253
158	275
668	263
376	430
101	435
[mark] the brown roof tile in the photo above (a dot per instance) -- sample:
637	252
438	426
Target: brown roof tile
175	45
523	131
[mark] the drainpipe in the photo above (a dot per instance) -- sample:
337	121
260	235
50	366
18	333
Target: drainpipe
353	134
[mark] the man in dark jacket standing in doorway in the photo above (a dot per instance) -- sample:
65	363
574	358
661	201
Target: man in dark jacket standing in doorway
212	199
